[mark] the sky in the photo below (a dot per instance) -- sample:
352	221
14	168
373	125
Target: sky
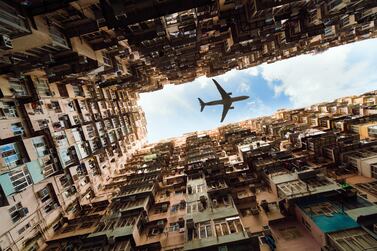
292	83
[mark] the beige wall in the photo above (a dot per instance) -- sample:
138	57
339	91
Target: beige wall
5	127
36	217
82	48
363	130
363	165
37	38
4	86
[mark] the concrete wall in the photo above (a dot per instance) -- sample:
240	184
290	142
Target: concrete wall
364	166
317	234
36	218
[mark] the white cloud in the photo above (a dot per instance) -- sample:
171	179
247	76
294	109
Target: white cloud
339	71
252	71
227	76
203	81
243	87
258	108
165	102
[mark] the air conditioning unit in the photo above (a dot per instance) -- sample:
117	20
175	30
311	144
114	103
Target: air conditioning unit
5	42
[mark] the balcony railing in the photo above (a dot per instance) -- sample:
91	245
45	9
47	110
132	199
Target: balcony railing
11	23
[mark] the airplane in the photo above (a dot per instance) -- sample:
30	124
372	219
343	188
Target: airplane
226	100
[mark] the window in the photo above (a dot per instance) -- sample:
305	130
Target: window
48	168
18	88
221	228
21	230
77	90
200	188
192	207
57	226
204	229
17	128
17	212
10	154
42	123
44	194
228	226
20	179
174	227
50	206
161	209
42	87
374	170
40	146
13	211
8	110
56	106
15	21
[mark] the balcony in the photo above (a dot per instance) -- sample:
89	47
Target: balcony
245	198
49	168
336	5
137	190
11	157
42	39
222	206
77	227
213	233
8	110
133	204
152	232
12	22
216	186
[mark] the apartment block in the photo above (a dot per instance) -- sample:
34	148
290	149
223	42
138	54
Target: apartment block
60	144
113	44
235	187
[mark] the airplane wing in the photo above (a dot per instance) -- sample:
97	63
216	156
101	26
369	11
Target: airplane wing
226	107
224	94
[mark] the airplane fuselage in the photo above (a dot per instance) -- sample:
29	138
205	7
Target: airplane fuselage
224	101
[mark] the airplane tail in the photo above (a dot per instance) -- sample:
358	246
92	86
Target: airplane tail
202	104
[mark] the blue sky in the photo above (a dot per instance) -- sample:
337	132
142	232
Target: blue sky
292	83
